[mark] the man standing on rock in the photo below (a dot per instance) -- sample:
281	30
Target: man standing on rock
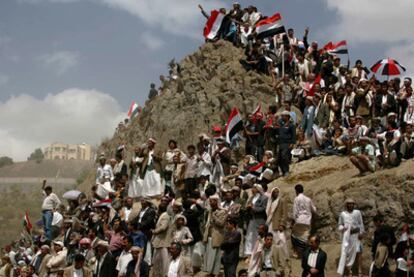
287	138
151	170
352	228
50	204
303	208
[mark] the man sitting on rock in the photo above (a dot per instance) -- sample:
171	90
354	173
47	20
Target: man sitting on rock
364	156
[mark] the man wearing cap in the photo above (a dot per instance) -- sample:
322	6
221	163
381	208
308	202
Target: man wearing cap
287	138
222	155
136	267
256	209
351	226
50	204
151	170
214	235
78	269
103	170
41	259
106	263
57	261
161	241
276	212
322	112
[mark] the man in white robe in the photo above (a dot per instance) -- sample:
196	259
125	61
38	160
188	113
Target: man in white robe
352	227
150	170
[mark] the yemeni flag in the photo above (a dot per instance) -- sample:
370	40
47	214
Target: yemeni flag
270	26
311	91
26	222
234	125
258	109
103	203
257	169
336	48
212	28
134	110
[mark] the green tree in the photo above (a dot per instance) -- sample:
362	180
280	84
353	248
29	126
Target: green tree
5	161
37	156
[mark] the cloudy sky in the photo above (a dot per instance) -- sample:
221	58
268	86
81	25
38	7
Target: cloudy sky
70	68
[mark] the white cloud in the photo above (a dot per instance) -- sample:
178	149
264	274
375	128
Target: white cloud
4	79
384	22
60	61
70	116
151	42
180	17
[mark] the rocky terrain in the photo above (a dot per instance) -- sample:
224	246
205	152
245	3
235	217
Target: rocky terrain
212	83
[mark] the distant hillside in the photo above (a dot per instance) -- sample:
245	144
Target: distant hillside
20	189
47	169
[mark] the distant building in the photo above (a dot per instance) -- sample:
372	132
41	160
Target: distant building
62	151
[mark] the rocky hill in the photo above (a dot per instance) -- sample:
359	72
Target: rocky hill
212	82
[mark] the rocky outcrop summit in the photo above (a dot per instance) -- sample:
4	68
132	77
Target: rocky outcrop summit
212	83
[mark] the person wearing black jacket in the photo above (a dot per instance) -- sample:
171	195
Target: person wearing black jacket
230	247
384	102
146	220
287	138
192	213
314	259
106	262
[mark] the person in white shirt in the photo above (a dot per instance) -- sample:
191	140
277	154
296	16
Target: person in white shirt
125	257
303	208
180	266
50	204
204	162
191	170
103	170
352	227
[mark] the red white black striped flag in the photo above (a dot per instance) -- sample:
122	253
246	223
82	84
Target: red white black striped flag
270	26
213	24
234	125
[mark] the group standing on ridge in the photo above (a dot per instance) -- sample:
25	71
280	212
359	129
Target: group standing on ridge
210	208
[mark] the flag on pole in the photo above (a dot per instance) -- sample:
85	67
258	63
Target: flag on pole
311	91
270	26
258	109
27	223
336	48
257	169
212	28
134	110
234	125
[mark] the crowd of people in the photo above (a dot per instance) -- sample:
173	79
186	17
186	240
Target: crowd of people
206	208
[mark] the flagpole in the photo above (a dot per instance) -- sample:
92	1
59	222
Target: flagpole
283	60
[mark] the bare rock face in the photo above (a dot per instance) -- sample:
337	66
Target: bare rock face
329	181
212	83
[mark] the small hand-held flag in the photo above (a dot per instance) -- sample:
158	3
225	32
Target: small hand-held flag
234	125
27	223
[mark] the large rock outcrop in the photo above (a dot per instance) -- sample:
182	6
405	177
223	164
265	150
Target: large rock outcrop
212	83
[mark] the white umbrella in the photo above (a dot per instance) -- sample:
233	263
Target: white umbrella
71	195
